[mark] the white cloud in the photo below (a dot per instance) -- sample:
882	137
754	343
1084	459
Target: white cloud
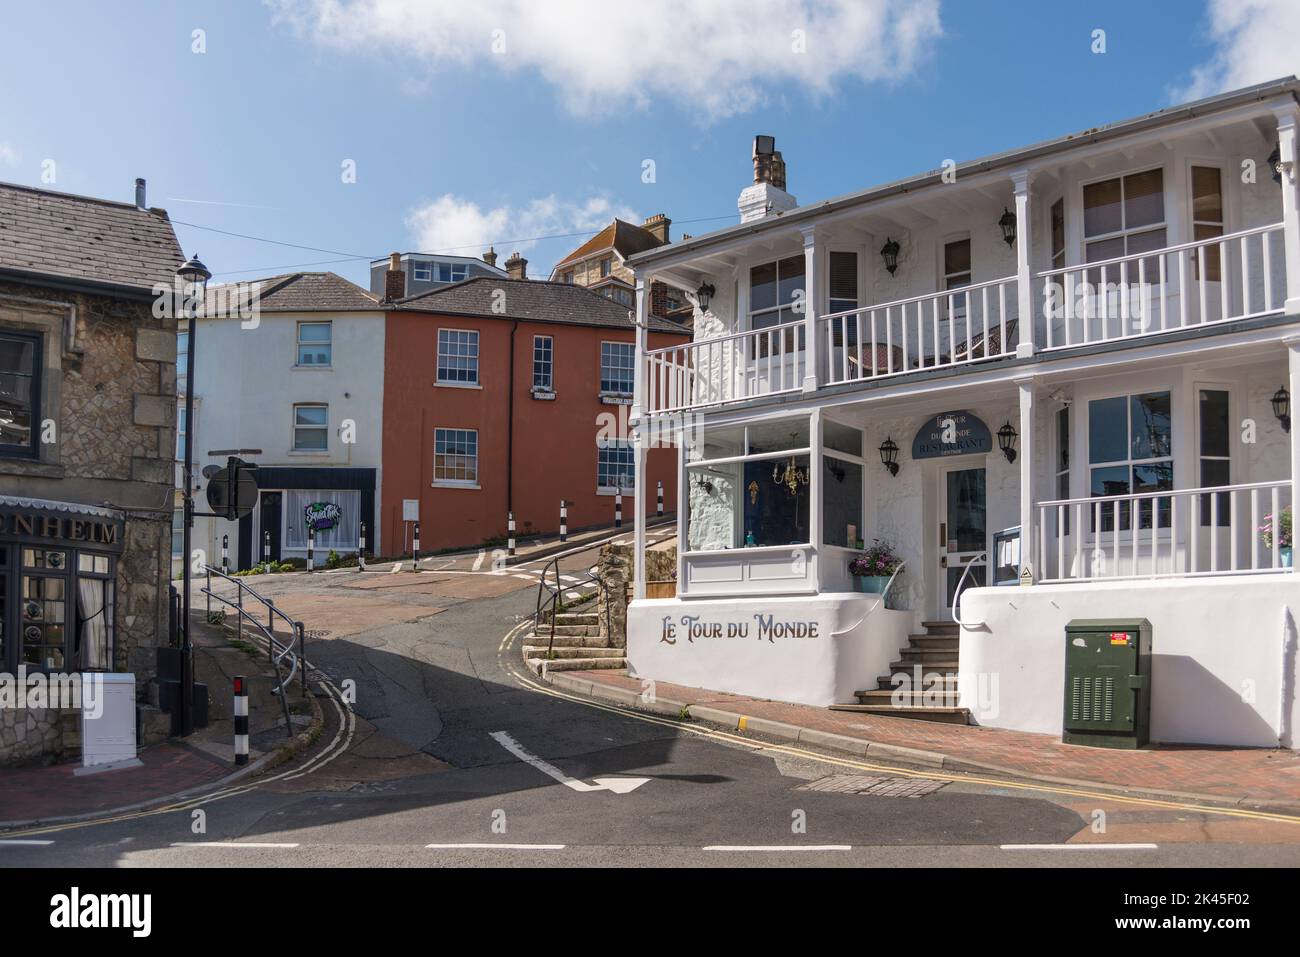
453	224
1256	40
718	58
8	155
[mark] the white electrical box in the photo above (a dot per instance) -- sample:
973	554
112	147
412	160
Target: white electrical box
107	718
410	509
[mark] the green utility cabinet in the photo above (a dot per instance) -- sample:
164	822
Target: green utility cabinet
1107	682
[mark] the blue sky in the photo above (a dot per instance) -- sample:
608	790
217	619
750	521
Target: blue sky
457	143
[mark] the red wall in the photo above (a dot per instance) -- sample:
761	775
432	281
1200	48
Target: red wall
554	441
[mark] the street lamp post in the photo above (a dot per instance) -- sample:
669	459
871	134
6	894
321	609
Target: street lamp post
194	278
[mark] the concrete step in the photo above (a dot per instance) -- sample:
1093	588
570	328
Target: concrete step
577	618
935	641
566	629
944	697
944	665
569	651
543	667
943	715
924	655
945	627
567	641
947	681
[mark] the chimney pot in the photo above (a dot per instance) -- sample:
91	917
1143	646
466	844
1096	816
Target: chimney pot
394	279
139	194
490	257
658	225
517	266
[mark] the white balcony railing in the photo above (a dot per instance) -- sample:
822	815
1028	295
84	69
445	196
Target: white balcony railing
712	371
1221	279
1223	530
924	332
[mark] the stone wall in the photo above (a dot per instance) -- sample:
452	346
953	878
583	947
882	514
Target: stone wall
616	572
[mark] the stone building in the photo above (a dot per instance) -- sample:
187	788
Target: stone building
87	436
600	265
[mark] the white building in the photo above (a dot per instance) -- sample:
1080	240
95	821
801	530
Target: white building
301	380
1119	309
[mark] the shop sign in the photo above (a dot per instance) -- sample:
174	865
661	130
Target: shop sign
72	529
322	516
952	433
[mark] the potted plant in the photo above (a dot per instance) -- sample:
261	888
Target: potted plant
1283	535
874	567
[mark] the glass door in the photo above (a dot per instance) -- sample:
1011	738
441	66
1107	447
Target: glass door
962	530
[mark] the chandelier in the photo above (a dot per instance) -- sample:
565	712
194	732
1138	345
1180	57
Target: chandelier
792	477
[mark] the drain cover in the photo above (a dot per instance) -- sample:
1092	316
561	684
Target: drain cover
878	786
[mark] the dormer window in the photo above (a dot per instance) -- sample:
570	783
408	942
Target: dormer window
422	272
452	272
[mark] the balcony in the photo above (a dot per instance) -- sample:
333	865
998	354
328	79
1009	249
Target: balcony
1133	299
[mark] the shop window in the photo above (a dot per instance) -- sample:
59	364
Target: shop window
841	502
44	608
95	593
334	514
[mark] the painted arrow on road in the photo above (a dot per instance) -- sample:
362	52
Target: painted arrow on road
616	785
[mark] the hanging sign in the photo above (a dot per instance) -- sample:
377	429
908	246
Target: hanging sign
952	433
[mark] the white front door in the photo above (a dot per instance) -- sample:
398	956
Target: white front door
963	530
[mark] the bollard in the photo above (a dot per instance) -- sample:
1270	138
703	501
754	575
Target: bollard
361	549
564	520
241	721
266	548
659	500
415	549
225	554
510	533
311	545
618	507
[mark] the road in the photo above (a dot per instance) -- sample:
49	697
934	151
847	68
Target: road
454	756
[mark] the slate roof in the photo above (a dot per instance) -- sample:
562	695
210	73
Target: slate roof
627	238
295	292
531	300
80	238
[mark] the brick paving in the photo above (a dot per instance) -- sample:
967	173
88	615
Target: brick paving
1249	775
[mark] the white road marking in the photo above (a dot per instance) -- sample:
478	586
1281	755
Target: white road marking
778	848
18	843
617	785
1079	847
504	847
570	578
228	844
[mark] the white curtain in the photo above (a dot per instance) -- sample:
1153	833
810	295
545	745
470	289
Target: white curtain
94	607
336	513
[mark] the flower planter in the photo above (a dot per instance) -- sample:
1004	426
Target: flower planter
872	584
1284	554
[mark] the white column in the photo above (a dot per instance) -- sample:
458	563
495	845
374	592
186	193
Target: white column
683	507
816	492
1024	277
811	354
1026	459
1286	138
638	438
1293	386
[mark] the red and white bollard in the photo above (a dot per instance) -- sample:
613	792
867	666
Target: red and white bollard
241	720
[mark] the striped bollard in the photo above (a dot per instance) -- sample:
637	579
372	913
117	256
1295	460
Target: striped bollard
415	549
311	548
266	548
241	721
225	554
361	548
510	534
659	500
564	520
618	507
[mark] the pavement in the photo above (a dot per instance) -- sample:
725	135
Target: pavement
1246	776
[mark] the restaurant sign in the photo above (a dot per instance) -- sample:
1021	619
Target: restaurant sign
952	433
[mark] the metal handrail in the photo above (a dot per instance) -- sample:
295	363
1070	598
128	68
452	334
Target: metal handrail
277	650
956	595
552	600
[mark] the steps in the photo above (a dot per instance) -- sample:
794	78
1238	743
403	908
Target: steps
568	657
928	690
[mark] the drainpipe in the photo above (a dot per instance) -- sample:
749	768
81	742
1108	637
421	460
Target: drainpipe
510	424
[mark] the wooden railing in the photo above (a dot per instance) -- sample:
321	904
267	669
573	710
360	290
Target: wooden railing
1220	530
721	369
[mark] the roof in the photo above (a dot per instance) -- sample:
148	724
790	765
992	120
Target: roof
85	240
1286	86
294	292
439	257
529	300
627	239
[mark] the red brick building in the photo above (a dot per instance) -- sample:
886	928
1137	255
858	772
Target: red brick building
495	391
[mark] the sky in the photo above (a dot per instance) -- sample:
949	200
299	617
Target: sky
319	134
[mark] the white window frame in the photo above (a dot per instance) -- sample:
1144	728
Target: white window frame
604	446
547	345
422	267
451	269
300	342
452	482
1125	231
474	337
1224	226
1087	465
631	369
298	426
1198	456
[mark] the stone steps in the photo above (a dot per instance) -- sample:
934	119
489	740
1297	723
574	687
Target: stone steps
931	694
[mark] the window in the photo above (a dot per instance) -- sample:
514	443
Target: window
1214	450
615	465
44	608
333	515
1130	450
774	289
93	648
455	456
617	362
605	265
311	428
314	343
1124	216
1207	217
19	393
844	282
622	296
178	532
1058	233
422	272
956	274
180	433
1063	461
458	356
568	277
452	272
182	358
543	363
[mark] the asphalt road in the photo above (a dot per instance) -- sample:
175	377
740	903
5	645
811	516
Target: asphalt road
451	750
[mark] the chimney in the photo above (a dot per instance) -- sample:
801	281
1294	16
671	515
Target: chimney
658	226
139	194
517	266
658	299
394	279
490	257
767	196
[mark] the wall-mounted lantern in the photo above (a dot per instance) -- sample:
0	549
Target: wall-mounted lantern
1007	436
704	295
1282	407
1008	223
889	455
889	253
